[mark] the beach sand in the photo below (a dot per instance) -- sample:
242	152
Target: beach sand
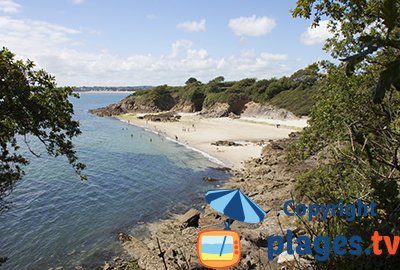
197	132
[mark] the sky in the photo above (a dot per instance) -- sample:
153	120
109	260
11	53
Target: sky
153	42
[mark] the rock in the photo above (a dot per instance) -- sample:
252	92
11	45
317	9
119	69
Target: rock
134	104
287	261
226	143
233	116
136	248
123	237
277	146
253	109
190	219
223	169
209	179
162	117
106	266
216	110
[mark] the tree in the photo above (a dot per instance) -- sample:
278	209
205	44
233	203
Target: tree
31	106
365	32
219	79
355	138
192	81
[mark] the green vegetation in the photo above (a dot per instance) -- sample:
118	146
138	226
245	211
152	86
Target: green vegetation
355	134
31	106
293	93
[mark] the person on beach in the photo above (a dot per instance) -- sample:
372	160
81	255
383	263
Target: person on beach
176	137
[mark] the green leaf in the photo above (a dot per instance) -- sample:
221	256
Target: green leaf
355	59
352	61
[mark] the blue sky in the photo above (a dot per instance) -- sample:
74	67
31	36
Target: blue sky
150	42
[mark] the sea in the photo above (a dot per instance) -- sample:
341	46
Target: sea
134	177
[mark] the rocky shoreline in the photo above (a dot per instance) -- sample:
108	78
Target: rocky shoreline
171	243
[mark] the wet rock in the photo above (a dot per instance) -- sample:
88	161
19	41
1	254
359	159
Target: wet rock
209	179
123	237
107	266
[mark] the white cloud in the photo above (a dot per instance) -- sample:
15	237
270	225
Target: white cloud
316	35
192	26
78	2
252	26
53	47
9	6
31	36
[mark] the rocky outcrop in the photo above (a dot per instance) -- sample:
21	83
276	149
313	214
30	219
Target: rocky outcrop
226	143
130	104
161	117
224	109
247	109
216	110
138	104
253	109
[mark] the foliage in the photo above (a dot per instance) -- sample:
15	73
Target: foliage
162	97
192	81
299	101
362	30
357	144
32	105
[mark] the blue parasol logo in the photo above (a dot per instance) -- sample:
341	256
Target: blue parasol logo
236	205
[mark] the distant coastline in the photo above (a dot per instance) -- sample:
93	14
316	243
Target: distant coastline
104	92
111	89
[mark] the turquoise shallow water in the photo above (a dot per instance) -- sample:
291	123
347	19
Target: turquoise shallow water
58	220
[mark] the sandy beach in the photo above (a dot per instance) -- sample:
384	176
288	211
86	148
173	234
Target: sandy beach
199	133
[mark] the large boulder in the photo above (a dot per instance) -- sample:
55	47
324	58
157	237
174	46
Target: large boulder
190	218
